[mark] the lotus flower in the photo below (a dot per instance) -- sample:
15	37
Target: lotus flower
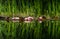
28	19
15	19
41	19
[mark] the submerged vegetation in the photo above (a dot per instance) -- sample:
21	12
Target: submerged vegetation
48	29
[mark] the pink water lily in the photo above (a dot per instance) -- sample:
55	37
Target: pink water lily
28	19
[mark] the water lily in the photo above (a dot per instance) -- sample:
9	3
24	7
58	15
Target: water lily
15	19
41	19
28	19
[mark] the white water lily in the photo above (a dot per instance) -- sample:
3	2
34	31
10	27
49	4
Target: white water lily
40	18
15	18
